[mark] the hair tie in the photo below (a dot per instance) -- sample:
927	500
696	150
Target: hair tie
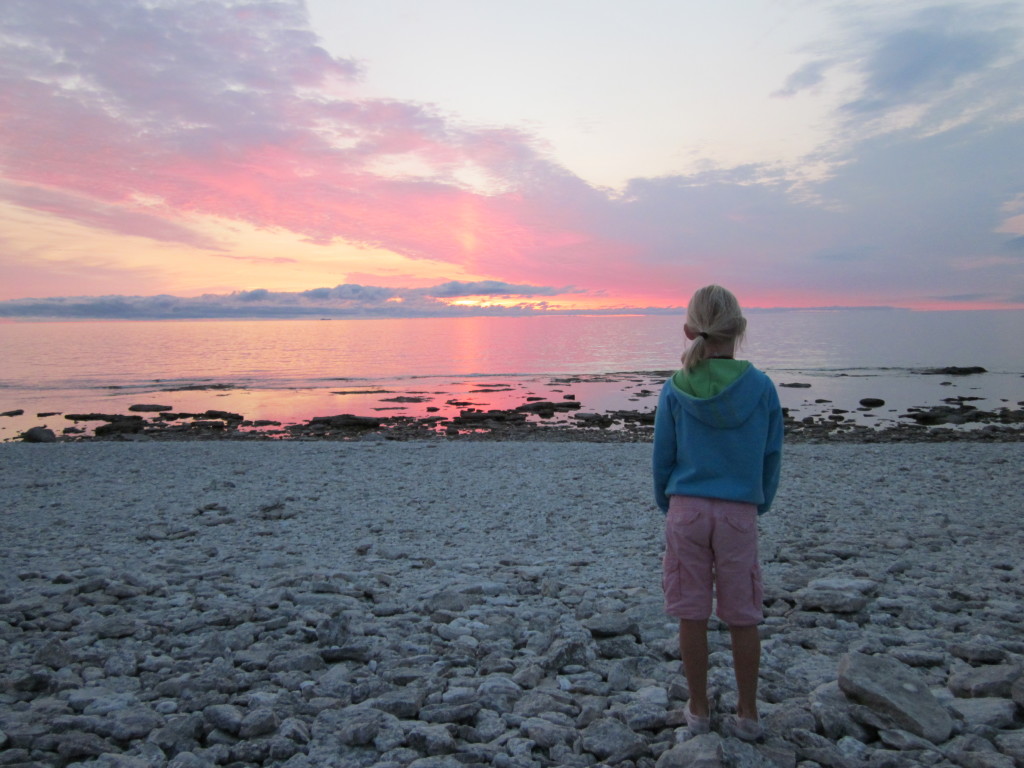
703	335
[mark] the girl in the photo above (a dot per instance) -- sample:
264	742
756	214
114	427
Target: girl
717	451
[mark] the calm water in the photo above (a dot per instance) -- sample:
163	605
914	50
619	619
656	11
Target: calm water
290	370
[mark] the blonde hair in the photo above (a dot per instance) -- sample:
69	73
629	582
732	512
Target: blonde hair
714	317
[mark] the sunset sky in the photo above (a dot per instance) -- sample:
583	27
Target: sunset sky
209	158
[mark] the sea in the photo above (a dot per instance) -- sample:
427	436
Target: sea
289	371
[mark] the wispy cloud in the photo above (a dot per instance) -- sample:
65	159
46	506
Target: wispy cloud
126	219
927	55
808	76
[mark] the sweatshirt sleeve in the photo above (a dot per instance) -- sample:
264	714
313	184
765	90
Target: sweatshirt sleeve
773	452
664	449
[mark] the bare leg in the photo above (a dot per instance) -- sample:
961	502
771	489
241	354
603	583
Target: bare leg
746	659
693	647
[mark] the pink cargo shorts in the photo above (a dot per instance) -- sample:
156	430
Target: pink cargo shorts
711	548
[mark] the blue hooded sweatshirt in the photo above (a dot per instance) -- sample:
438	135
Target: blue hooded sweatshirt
718	434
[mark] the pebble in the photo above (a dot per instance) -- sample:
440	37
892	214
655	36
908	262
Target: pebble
431	604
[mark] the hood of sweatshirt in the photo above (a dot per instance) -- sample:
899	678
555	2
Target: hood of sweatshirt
719	393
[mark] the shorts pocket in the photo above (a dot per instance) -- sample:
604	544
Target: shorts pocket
670	585
684	513
757	588
743	521
689	515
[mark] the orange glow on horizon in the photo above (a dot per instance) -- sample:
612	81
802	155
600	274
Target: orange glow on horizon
755	301
73	259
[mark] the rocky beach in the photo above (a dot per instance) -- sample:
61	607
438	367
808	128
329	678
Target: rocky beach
434	603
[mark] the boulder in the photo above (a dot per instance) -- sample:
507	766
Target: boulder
612	741
97	417
992	713
1012	744
223	415
346	421
545	406
224	717
123	425
703	751
836	595
612	625
896	691
954	370
39	435
977	682
1017	692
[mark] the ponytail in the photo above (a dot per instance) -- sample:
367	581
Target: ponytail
714	317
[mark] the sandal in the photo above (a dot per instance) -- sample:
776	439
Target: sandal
746	729
697	725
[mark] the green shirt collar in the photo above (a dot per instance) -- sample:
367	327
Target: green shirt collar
709	377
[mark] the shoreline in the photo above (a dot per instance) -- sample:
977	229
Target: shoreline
496	604
421	378
599	408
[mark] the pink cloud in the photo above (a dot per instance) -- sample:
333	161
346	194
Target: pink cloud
100	215
208	116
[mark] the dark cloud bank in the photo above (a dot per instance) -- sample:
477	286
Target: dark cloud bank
346	300
342	301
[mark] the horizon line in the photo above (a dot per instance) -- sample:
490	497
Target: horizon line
294	314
